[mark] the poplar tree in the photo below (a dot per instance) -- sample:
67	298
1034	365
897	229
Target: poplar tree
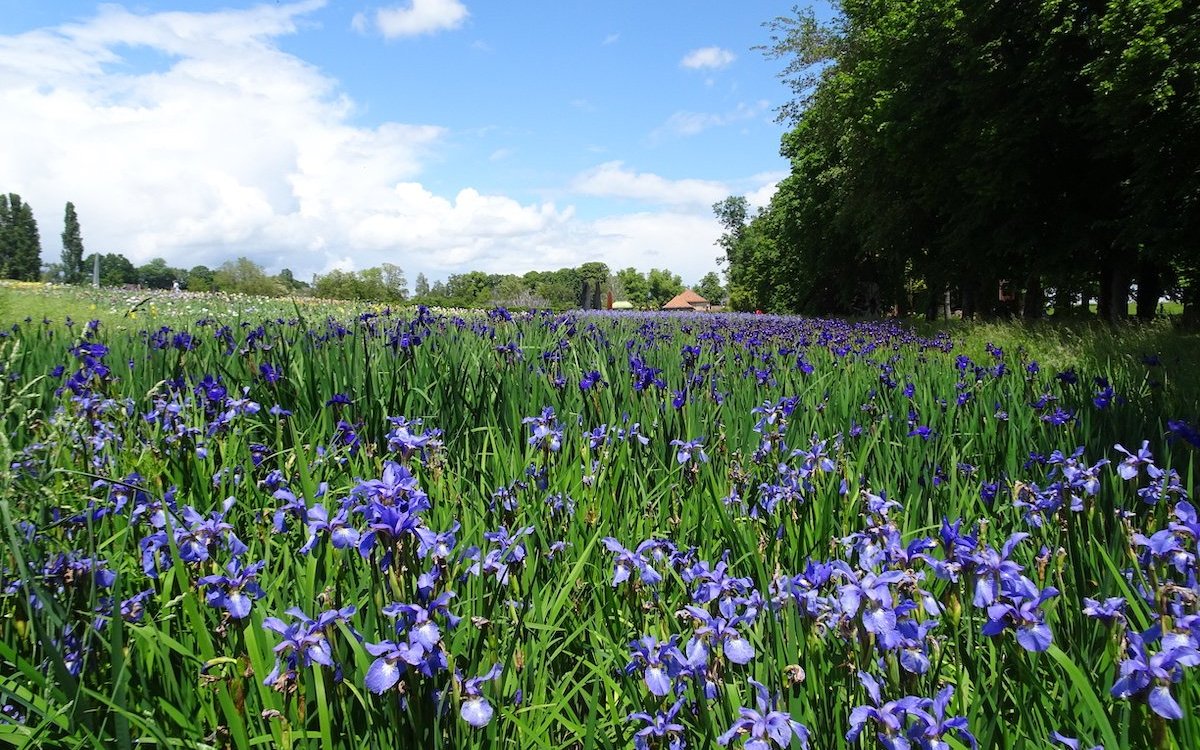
72	253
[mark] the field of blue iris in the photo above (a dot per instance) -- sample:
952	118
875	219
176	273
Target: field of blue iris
588	530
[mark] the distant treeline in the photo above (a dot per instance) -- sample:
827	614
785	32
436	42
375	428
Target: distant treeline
588	286
1001	157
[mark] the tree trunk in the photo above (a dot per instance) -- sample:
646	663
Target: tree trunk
1191	306
1034	304
902	302
932	303
968	299
1064	301
1119	295
1104	297
1149	289
1191	315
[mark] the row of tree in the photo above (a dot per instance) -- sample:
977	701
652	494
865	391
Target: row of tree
21	245
240	276
1002	156
587	286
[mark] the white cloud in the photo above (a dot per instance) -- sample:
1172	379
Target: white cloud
692	123
713	58
683	242
234	148
610	39
230	146
613	180
679	240
416	18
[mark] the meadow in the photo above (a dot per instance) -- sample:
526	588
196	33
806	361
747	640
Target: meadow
240	523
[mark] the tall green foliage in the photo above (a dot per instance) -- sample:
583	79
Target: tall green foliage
663	285
72	242
952	146
385	283
421	286
156	274
115	269
244	276
632	286
20	244
709	287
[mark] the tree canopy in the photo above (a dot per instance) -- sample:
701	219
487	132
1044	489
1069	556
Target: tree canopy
981	152
72	242
20	244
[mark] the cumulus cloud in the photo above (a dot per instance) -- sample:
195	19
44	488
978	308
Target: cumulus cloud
612	180
417	18
712	58
217	143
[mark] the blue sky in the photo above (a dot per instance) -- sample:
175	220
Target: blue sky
440	135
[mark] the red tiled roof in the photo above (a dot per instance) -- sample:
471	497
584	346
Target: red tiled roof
685	300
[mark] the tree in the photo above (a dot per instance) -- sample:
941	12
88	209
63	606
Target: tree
20	244
632	287
593	279
561	288
710	288
754	260
156	274
72	241
732	213
421	286
394	282
663	285
940	148
1146	79
513	291
289	282
200	279
7	236
244	276
385	283
338	284
115	269
471	289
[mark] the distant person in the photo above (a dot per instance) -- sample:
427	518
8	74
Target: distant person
175	286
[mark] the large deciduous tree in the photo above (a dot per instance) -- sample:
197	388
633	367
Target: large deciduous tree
709	287
115	269
244	276
946	149
632	287
663	285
